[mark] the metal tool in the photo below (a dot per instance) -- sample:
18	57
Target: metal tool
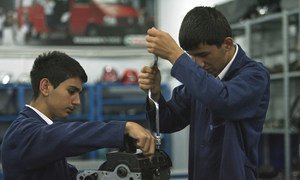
155	63
157	135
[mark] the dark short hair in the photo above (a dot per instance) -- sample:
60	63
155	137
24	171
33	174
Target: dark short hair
56	67
203	25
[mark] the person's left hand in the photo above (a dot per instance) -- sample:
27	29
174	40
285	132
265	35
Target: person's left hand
163	45
150	79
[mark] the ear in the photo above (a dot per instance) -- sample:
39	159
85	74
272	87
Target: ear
228	43
45	86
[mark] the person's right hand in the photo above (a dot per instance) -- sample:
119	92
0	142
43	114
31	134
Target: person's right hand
145	140
150	79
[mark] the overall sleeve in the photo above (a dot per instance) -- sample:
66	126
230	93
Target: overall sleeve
237	98
41	144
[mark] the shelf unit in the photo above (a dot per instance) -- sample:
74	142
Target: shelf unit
9	101
275	41
116	101
13	97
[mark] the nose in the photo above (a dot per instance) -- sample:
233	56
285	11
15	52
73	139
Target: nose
199	61
76	100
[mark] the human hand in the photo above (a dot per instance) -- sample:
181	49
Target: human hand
163	45
144	139
150	79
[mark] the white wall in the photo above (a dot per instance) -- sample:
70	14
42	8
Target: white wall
18	60
171	12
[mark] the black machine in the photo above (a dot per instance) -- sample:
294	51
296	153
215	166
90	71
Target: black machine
128	164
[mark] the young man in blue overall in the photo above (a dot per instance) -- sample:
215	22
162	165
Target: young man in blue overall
35	146
223	97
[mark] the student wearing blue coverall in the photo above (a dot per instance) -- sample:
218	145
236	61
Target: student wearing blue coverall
223	97
35	146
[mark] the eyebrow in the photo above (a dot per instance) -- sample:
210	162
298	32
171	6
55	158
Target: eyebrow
76	88
199	53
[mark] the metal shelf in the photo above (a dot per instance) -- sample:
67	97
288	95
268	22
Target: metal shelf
295	74
283	22
279	131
